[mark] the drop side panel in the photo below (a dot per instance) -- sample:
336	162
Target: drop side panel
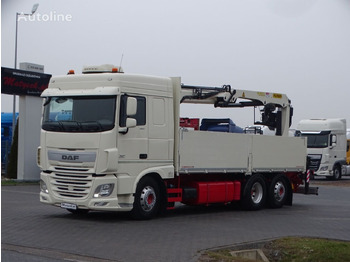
213	152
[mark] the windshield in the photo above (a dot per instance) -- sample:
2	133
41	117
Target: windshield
79	114
316	141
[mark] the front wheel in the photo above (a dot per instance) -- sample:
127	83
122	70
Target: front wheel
254	193
336	173
278	191
147	199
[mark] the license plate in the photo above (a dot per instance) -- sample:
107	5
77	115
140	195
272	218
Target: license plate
69	206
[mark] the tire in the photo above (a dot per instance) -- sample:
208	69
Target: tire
336	173
254	193
278	191
147	199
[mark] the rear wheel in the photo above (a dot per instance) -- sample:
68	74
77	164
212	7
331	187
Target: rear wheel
147	199
278	191
254	193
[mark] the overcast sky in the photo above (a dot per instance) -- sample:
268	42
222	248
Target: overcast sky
297	47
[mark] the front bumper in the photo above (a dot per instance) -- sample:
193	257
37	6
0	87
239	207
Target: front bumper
56	194
323	173
324	170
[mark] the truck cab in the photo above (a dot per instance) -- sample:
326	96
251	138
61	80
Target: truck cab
326	145
99	129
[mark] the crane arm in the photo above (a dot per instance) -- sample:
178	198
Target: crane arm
225	96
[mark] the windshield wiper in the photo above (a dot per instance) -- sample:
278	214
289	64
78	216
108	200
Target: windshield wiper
73	126
60	124
76	126
91	126
53	126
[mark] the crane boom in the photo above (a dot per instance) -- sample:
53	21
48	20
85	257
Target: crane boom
226	96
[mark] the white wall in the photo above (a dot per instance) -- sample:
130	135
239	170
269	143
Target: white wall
28	137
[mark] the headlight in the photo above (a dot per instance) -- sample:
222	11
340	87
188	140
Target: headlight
38	156
104	190
43	187
324	168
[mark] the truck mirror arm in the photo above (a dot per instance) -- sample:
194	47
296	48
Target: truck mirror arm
123	130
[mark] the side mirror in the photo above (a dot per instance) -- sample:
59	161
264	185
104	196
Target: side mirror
131	106
333	140
130	112
130	122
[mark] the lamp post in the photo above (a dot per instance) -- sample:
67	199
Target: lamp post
35	7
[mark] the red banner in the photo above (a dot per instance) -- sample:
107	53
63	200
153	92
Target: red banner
21	82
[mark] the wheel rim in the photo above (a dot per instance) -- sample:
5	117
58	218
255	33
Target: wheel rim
256	193
148	198
279	191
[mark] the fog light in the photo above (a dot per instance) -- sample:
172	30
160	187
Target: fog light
104	190
43	187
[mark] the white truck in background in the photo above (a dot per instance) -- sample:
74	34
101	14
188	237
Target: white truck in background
112	141
327	146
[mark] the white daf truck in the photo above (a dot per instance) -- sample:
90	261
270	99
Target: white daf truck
113	141
327	146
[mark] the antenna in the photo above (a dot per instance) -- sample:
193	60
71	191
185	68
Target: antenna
120	64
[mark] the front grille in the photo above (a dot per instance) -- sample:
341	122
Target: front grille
314	162
71	185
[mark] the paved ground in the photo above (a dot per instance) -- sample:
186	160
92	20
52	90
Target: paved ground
32	231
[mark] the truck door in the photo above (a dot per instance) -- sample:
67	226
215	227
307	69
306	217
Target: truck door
337	146
133	142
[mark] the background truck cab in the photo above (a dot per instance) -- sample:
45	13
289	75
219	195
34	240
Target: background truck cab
326	143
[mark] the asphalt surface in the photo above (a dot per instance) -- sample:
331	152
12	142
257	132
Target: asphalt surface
31	231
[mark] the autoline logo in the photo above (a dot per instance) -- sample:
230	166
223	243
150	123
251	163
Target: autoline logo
50	17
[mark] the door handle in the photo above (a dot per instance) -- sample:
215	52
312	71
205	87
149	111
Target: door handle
143	156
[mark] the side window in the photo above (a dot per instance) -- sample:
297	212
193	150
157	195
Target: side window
140	113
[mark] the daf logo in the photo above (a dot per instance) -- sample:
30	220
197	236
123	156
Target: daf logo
70	157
